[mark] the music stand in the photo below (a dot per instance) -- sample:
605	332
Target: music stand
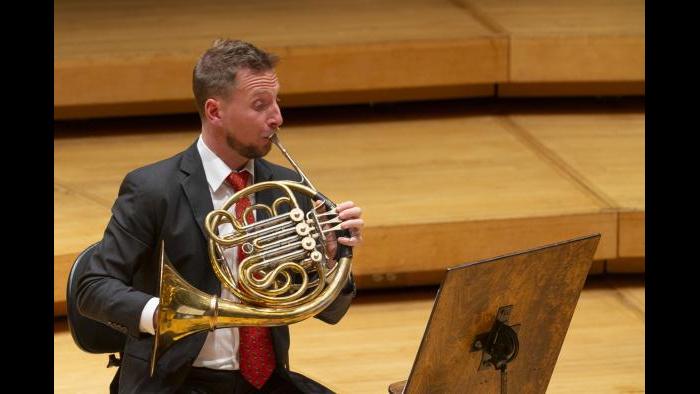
510	312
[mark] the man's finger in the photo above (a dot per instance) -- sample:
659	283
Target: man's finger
317	204
344	205
357	224
354	241
354	212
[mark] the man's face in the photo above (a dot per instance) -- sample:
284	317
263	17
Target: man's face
251	113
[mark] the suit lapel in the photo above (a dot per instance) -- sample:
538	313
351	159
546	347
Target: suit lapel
195	186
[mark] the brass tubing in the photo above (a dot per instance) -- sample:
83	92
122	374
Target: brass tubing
282	249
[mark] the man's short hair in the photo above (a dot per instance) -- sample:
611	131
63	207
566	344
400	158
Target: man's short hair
215	72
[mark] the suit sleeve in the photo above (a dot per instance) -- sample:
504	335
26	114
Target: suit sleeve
335	311
106	290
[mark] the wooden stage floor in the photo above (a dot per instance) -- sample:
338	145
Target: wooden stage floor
484	177
115	58
376	342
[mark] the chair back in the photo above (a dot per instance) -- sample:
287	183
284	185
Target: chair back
90	335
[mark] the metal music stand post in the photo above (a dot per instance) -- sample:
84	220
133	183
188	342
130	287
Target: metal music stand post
497	325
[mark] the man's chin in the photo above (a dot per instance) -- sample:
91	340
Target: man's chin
249	151
255	152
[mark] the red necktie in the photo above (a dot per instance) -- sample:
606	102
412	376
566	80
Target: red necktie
257	356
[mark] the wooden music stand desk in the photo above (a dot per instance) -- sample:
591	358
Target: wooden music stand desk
498	324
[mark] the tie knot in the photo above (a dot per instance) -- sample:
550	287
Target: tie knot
238	180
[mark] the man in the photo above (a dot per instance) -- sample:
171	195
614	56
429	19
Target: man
235	89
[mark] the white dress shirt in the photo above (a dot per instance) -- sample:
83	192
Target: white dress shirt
220	350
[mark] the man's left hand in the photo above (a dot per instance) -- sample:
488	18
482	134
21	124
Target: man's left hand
350	215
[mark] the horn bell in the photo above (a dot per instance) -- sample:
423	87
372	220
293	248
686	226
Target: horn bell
287	273
184	310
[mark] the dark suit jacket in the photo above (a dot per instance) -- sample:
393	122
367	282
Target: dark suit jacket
167	200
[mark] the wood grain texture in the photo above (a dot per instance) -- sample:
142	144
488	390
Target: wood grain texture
131	58
632	234
603	321
626	265
594	59
579	40
541	286
376	342
114	53
606	150
384	250
461	180
606	154
571	89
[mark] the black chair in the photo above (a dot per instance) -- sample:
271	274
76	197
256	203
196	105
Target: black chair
90	335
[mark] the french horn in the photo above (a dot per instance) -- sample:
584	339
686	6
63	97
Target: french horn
287	275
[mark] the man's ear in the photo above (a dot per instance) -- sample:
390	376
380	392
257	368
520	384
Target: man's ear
212	111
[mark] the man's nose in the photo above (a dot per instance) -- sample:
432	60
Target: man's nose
276	117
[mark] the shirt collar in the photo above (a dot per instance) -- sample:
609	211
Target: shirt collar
215	169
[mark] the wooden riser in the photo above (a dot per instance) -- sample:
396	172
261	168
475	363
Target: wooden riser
116	61
439	187
375	344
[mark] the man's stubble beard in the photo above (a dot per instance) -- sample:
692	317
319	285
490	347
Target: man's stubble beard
247	151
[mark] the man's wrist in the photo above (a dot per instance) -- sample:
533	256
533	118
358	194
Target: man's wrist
148	316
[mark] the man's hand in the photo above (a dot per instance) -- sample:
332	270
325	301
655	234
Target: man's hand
350	215
351	221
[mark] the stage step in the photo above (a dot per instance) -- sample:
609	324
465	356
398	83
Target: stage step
377	341
440	183
114	58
